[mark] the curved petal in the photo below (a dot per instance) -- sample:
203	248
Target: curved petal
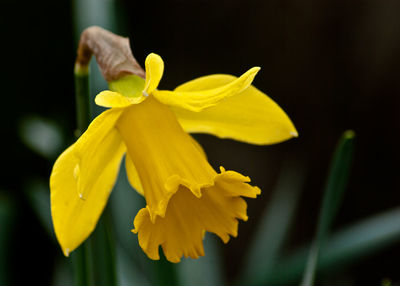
154	71
249	116
82	179
164	156
109	98
132	174
198	100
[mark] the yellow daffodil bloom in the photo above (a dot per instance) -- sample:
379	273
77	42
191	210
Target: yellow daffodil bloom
185	196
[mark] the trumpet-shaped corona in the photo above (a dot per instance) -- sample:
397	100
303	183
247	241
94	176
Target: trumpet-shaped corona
185	196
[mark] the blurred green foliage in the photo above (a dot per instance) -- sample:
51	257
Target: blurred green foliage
42	136
272	230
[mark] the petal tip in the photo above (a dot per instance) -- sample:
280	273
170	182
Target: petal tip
110	99
294	133
174	259
153	55
154	66
252	73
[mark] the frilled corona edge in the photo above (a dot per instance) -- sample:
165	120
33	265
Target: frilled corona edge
181	230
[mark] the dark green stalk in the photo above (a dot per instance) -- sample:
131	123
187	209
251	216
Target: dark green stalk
82	97
81	256
95	259
103	252
81	265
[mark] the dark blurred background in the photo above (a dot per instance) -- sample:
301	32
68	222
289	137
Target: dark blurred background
331	65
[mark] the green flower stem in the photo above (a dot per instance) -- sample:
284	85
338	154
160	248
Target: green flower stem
81	256
94	261
103	252
82	97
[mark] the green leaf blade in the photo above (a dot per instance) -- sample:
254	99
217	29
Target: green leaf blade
333	194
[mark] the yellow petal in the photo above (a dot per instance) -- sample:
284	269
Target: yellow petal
154	71
133	176
109	98
249	116
163	155
198	100
198	146
82	179
180	232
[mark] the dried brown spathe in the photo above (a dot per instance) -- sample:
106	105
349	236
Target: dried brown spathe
113	53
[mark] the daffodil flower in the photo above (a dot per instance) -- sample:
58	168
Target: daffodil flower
185	196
